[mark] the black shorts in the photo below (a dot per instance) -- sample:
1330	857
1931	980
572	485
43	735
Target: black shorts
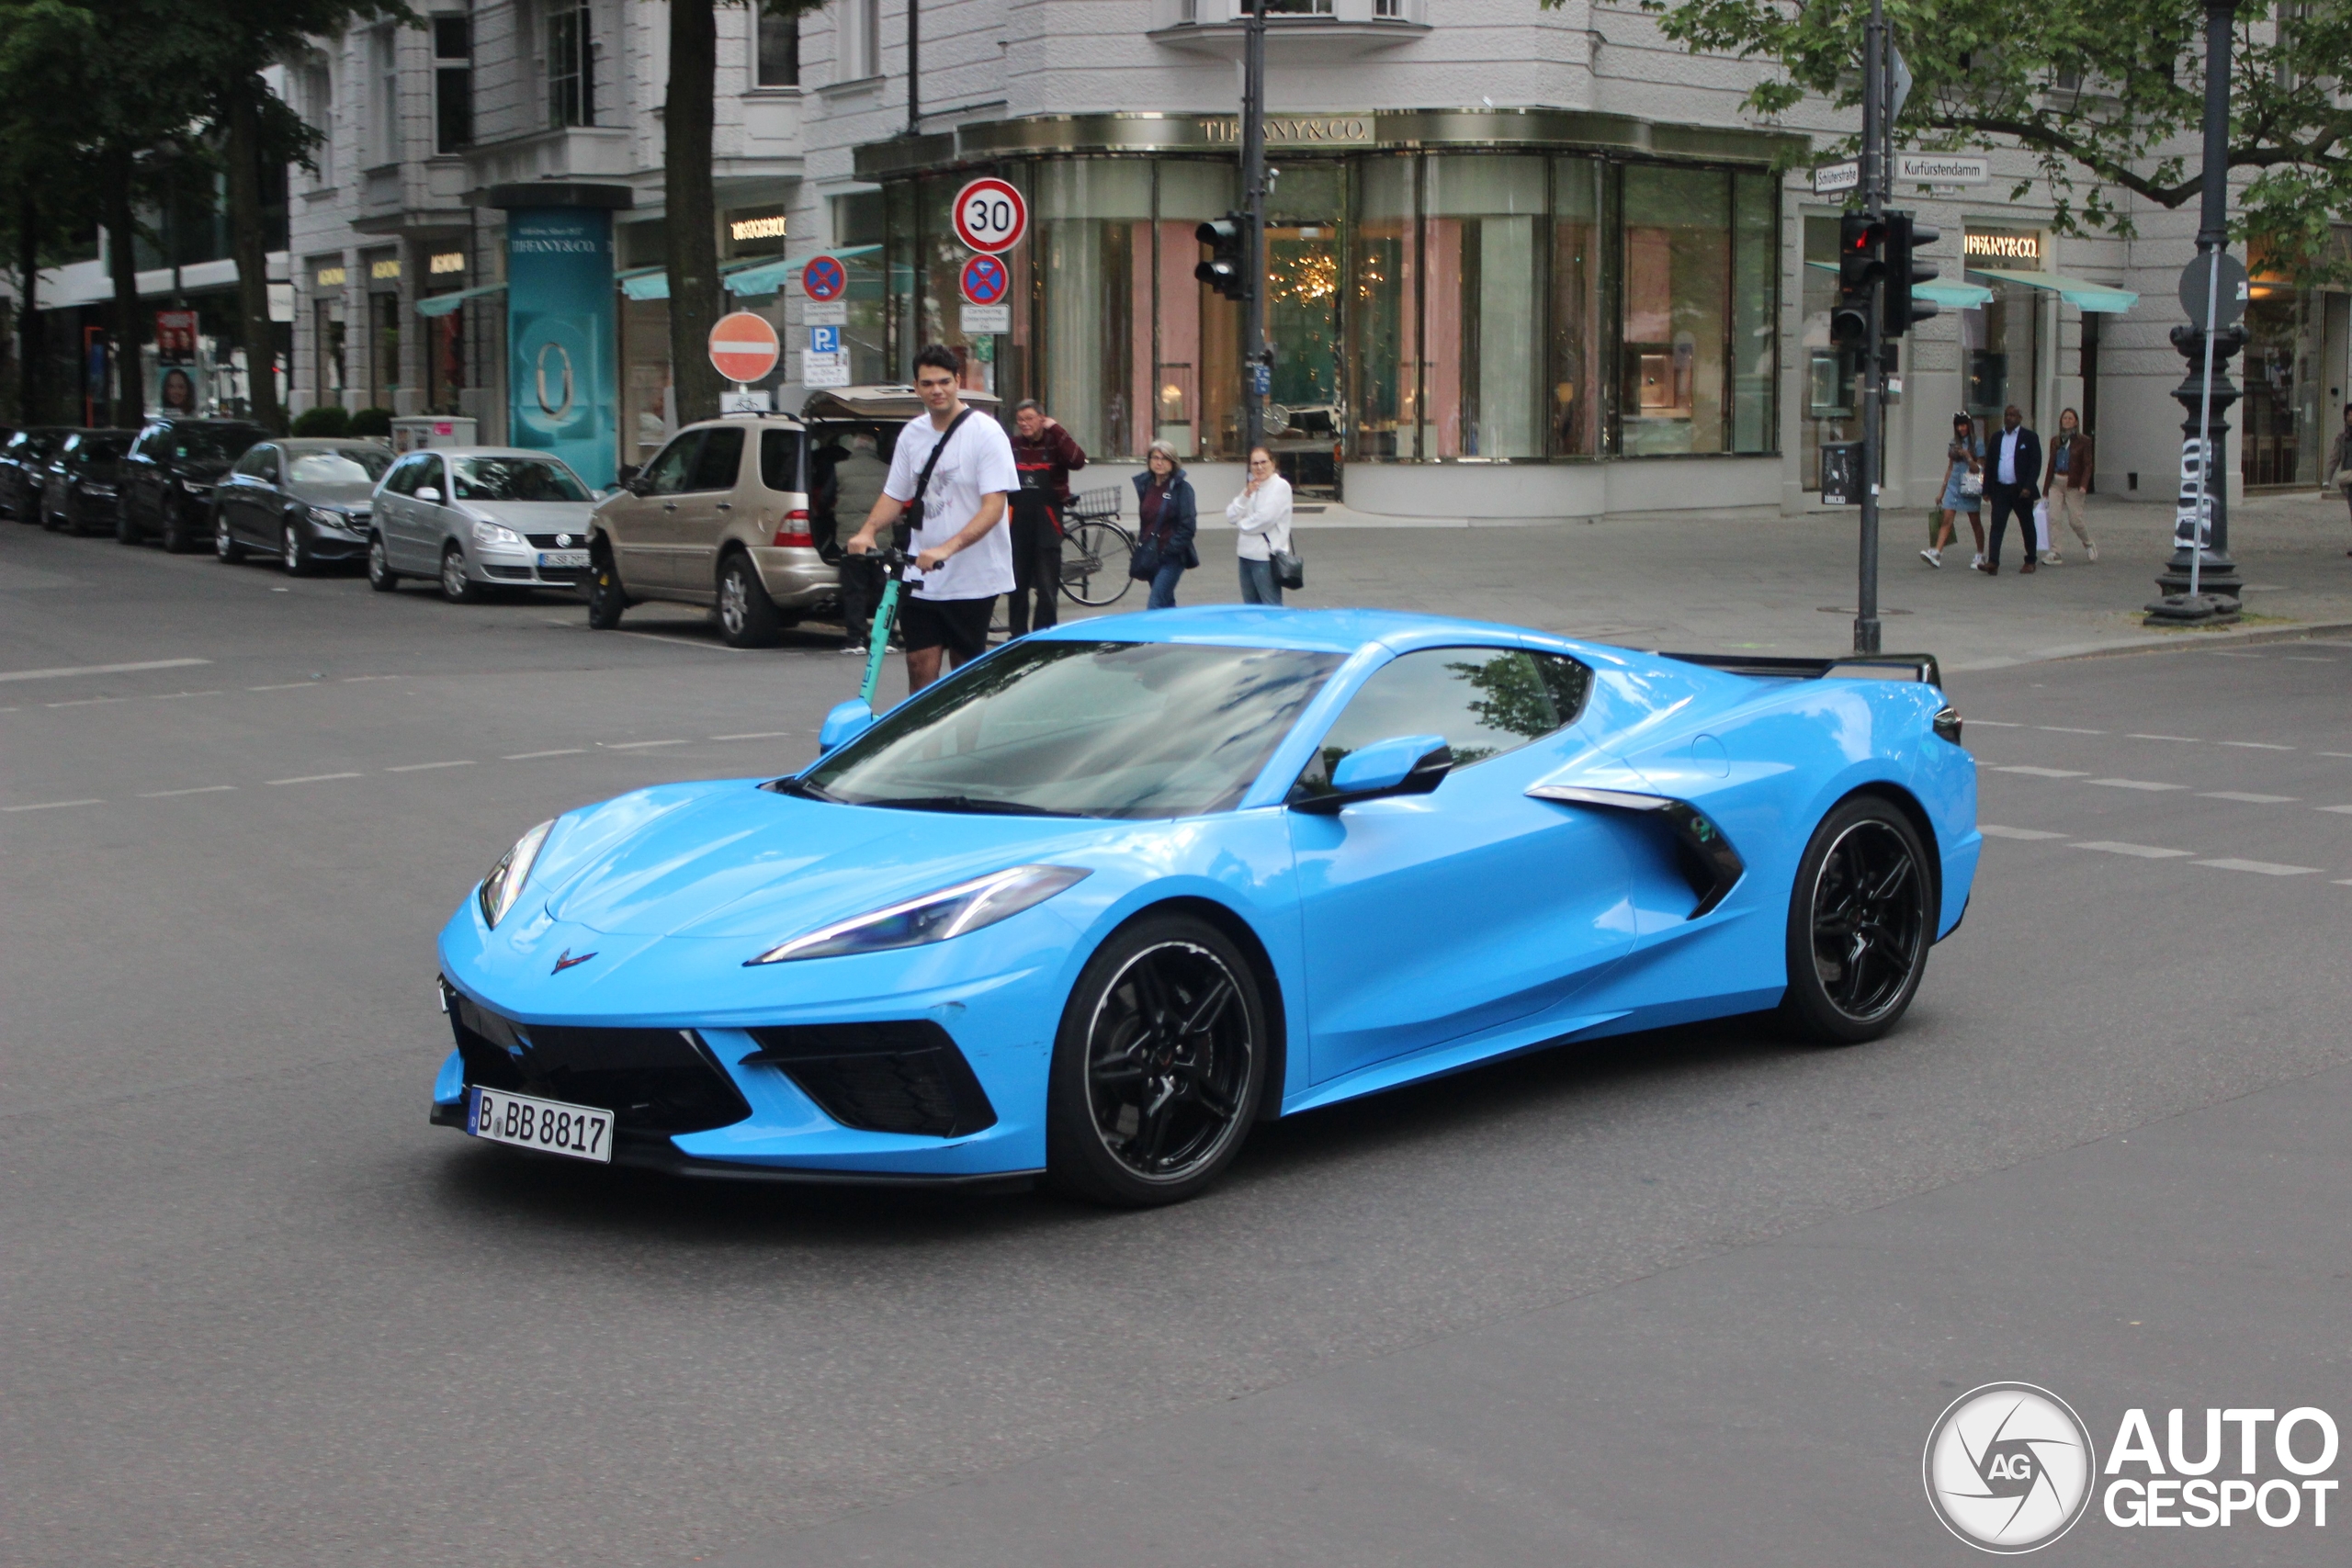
959	625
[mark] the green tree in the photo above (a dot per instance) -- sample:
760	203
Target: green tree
688	198
2106	96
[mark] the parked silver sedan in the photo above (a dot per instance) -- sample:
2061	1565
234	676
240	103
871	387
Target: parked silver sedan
474	518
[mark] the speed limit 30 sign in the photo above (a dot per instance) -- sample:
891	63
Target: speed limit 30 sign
991	215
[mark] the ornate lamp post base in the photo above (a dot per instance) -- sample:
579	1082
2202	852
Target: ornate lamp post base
2191	610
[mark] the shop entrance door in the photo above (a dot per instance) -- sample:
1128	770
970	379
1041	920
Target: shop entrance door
1305	420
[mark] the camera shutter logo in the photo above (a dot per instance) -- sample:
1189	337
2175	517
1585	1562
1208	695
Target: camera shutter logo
2009	1467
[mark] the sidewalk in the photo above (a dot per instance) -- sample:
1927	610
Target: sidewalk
1755	579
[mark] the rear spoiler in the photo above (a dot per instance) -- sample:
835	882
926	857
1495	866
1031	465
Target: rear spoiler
1920	667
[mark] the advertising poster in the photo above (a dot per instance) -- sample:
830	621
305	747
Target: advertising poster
563	388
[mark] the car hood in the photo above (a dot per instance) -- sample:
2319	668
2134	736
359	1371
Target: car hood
532	516
732	859
344	498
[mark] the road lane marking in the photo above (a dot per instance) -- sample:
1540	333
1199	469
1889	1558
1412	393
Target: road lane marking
682	642
289	686
1992	832
85	702
315	778
2065	729
426	767
2336	753
635	745
2135	784
2307	659
167	696
2260	867
2347	810
755	735
2043	772
533	756
202	789
2190	739
2248	798
61	671
52	805
348	679
2255	745
2144	852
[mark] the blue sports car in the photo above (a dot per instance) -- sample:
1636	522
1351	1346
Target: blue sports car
1100	900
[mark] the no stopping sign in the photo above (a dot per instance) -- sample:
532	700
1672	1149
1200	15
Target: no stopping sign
990	216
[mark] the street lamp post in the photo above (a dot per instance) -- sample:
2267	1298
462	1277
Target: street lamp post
1874	193
1253	199
2200	582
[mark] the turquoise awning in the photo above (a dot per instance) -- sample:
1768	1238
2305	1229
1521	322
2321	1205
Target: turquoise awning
1949	295
2100	299
442	304
644	283
768	278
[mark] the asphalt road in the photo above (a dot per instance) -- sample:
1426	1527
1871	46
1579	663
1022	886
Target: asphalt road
1693	1297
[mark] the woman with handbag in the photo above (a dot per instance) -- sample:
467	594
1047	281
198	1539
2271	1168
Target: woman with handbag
2339	461
1169	519
1261	514
1963	490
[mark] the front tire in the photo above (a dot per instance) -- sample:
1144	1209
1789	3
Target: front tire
224	543
294	550
1861	919
747	617
605	600
380	575
179	538
1158	1065
126	532
455	586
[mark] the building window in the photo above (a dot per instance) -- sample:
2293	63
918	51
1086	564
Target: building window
1574	372
383	98
776	45
453	81
1696	352
315	88
571	66
1298	7
1482	222
327	340
861	38
1384	311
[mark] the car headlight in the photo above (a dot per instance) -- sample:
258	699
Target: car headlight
496	534
934	916
504	886
327	519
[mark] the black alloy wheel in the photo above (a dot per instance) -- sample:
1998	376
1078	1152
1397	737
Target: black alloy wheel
224	543
380	575
1158	1065
747	617
1861	919
605	600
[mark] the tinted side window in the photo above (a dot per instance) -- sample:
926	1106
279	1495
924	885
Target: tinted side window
668	473
401	480
720	460
780	458
254	464
1485	701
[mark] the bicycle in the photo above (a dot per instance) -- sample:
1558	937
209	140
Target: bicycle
1096	550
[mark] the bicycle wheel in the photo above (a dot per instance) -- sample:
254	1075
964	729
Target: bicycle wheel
1094	563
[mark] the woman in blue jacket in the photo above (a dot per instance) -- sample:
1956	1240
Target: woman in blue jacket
1170	517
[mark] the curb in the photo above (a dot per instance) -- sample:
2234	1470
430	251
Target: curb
2175	642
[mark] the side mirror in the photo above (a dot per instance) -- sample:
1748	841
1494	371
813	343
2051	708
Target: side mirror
844	722
1403	764
628	472
427	492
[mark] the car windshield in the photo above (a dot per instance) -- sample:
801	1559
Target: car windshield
102	449
1122	729
344	465
515	479
198	444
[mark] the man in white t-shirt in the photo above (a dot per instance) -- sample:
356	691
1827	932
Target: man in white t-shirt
962	550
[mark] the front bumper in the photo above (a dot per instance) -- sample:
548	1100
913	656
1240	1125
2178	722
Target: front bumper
521	568
345	543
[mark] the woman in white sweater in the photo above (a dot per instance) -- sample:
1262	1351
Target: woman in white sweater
1261	514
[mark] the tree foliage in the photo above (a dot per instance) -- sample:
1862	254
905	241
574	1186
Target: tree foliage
2104	96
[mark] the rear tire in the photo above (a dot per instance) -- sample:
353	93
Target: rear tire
1861	918
747	617
380	575
1158	1065
224	543
179	538
126	532
455	586
605	600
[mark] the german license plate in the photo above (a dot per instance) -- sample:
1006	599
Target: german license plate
564	560
583	1132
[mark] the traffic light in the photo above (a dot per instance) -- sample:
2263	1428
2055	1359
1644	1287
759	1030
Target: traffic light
1226	268
1904	237
1861	242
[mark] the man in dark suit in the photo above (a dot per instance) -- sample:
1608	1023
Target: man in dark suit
2012	464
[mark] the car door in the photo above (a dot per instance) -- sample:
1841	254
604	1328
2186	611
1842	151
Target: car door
242	493
1429	918
703	507
650	538
141	483
397	515
432	507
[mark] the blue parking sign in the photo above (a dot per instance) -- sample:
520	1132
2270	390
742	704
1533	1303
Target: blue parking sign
824	340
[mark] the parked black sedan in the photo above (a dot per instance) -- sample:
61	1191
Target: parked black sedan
169	477
85	483
24	468
306	501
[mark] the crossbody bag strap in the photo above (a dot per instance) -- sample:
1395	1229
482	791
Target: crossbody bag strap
923	484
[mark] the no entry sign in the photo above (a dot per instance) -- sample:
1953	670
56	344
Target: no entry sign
984	281
824	278
991	215
743	346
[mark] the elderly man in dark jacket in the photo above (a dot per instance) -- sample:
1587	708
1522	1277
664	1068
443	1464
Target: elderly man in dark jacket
1045	454
2012	464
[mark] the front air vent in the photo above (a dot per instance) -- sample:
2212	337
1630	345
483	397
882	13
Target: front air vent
893	1077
